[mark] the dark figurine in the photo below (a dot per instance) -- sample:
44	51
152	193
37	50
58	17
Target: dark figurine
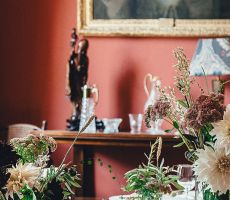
77	76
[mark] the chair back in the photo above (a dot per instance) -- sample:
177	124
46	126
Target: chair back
20	130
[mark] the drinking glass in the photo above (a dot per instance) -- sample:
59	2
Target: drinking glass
135	122
186	177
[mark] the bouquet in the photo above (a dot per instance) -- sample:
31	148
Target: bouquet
25	172
203	125
151	181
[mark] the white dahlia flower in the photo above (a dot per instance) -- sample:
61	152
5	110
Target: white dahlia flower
21	175
222	131
213	168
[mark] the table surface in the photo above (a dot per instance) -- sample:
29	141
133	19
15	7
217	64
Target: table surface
111	139
119	135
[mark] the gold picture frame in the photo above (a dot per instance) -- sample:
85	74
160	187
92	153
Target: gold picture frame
165	27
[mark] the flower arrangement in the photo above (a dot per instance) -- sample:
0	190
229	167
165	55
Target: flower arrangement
25	172
151	181
203	125
213	164
27	176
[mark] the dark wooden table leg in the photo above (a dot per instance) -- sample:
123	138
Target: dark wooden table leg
83	158
78	160
88	165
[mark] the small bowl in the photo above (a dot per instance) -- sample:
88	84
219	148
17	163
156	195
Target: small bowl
111	125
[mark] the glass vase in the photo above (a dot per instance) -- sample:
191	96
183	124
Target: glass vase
208	195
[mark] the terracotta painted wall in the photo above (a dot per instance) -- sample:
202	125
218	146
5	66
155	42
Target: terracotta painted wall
34	49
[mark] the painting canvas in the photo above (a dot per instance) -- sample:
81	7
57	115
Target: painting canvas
147	18
155	9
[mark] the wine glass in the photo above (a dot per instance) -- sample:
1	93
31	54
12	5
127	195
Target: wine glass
186	177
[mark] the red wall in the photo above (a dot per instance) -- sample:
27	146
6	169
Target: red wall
34	49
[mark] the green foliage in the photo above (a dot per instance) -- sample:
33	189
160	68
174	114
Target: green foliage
207	138
183	103
54	183
209	195
100	161
110	168
169	130
179	145
35	182
2	197
151	181
30	147
70	181
176	125
27	193
64	177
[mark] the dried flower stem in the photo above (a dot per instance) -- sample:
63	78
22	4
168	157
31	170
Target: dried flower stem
200	138
187	102
184	140
152	150
183	80
75	139
159	148
62	166
180	132
168	121
226	82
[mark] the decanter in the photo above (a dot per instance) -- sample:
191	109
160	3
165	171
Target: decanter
89	101
150	86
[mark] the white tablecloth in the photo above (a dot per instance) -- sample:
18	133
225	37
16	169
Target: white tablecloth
191	196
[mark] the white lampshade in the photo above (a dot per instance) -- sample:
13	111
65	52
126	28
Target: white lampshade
213	55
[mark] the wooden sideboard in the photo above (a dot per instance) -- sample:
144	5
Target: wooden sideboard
112	139
87	143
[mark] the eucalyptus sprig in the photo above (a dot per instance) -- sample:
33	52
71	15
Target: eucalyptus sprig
151	181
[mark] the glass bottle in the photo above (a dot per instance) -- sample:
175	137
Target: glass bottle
89	101
152	96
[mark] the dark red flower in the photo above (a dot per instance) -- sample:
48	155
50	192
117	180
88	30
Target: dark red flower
157	111
206	109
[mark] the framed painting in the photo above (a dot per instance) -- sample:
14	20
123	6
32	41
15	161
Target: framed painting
163	18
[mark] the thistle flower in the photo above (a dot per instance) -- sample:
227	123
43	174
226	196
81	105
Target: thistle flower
206	109
20	176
